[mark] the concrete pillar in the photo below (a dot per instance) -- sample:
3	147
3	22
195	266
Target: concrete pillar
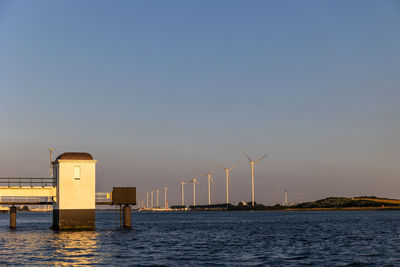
127	216
13	217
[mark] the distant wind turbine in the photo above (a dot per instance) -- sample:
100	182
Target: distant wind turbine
158	190
227	172
210	179
286	201
194	181
285	195
165	197
152	199
147	199
252	163
183	194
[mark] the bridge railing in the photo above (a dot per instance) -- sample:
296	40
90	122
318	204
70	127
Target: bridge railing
27	182
103	198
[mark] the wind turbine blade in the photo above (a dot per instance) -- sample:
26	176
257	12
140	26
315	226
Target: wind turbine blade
212	180
247	156
221	166
234	165
263	157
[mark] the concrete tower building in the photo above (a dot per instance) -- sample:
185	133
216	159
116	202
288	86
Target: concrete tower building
75	204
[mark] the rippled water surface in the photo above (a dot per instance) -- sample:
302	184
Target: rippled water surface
209	239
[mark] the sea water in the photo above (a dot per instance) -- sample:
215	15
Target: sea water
208	239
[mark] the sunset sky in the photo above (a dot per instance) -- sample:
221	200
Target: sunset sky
159	91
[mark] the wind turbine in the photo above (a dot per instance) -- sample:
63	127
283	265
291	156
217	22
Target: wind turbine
252	163
227	172
158	190
165	197
210	179
183	194
285	195
147	199
286	202
194	181
152	199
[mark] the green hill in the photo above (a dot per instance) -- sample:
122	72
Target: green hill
343	202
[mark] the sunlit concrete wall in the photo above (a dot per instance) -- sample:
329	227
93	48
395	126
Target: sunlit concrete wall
75	204
75	193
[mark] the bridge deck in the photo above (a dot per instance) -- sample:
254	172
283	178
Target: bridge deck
15	191
26	203
16	195
12	189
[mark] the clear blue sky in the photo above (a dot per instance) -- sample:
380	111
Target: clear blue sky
158	90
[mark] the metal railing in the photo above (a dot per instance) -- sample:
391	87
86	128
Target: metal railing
103	198
27	182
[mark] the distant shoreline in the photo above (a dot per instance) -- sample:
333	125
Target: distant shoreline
289	210
266	210
344	209
362	203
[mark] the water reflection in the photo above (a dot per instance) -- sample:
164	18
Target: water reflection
75	248
21	247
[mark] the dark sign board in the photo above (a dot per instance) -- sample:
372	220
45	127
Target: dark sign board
124	195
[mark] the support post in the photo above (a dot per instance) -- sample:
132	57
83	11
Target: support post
127	216
120	215
13	217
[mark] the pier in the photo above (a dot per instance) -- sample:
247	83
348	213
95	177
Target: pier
70	192
29	191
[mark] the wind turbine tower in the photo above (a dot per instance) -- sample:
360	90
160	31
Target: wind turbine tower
194	181
147	199
227	172
165	198
152	199
183	194
210	179
158	190
252	163
286	202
